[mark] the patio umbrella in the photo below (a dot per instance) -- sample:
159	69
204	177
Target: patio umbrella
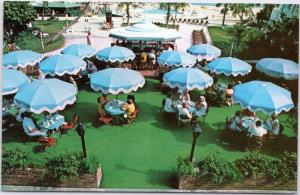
205	51
21	58
264	96
80	50
176	58
48	95
278	68
62	64
187	78
117	80
12	80
115	54
229	66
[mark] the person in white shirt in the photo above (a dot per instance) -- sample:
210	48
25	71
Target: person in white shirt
184	112
257	130
272	124
168	104
234	123
185	97
201	106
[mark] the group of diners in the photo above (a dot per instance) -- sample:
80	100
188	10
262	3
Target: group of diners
119	111
184	108
245	121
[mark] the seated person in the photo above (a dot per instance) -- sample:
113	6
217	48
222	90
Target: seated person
129	107
234	123
213	90
91	68
201	106
184	112
257	130
143	58
228	95
185	97
30	127
272	124
248	113
20	116
168	104
152	57
102	100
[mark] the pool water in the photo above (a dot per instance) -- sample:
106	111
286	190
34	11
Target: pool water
158	11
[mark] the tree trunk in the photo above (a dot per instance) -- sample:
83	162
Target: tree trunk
175	19
223	21
168	16
127	12
43	12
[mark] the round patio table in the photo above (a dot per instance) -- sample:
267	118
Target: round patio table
247	122
114	107
55	122
192	104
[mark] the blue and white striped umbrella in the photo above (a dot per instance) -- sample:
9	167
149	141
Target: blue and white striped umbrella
117	80
187	78
230	66
62	64
263	96
205	51
81	50
115	54
278	68
12	80
176	58
48	95
21	58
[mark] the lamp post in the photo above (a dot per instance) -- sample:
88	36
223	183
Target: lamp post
80	130
196	132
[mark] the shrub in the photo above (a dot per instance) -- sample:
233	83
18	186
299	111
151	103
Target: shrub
185	167
70	165
14	158
215	169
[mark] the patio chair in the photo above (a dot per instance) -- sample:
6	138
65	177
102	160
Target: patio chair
256	142
27	124
64	129
46	142
183	121
105	120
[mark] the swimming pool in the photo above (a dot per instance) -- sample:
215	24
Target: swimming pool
158	11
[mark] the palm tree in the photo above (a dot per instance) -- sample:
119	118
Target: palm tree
127	5
242	10
224	11
178	6
45	5
167	6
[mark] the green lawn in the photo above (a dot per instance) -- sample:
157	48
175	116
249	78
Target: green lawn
221	38
142	155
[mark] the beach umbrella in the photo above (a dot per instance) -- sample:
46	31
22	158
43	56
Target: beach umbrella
187	78
115	54
62	64
278	68
80	50
204	51
48	95
117	80
21	58
229	66
176	58
12	80
263	96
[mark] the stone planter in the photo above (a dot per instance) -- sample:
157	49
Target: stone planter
34	177
188	182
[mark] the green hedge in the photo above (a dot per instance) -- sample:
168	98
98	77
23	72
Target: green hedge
254	166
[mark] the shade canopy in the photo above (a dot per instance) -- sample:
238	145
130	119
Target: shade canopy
278	68
115	54
144	31
187	78
81	50
230	66
62	64
205	51
12	80
263	96
48	95
176	58
117	80
21	58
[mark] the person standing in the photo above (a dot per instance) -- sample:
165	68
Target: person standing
88	38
